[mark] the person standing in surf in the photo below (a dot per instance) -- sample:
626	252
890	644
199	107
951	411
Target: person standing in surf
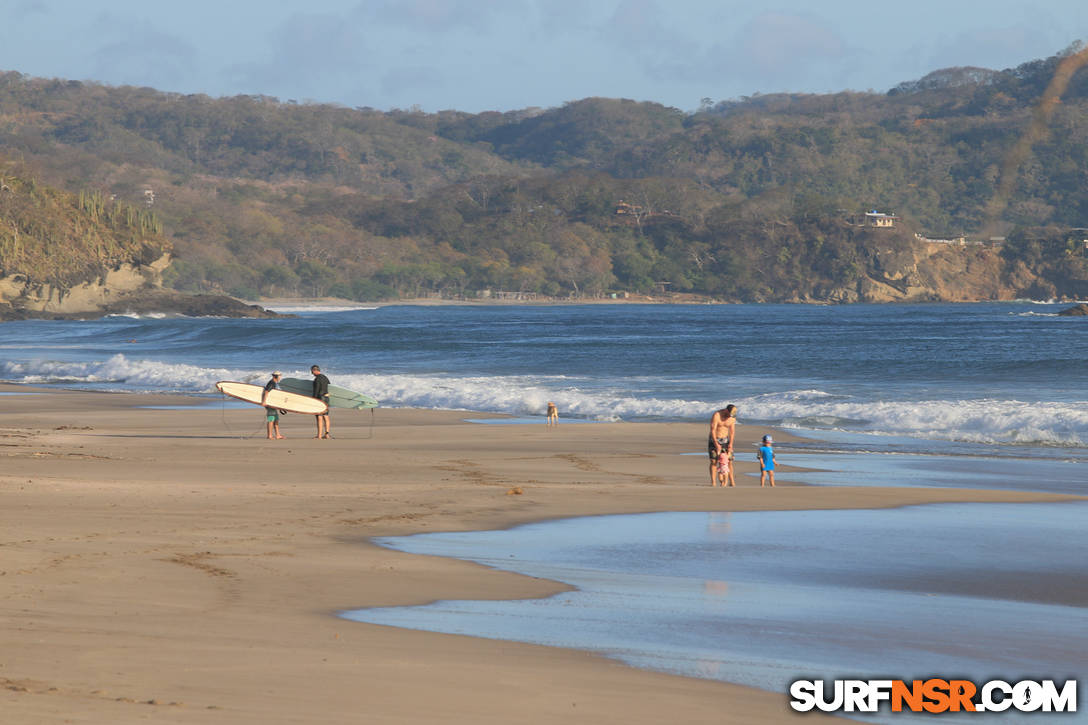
719	445
272	415
321	392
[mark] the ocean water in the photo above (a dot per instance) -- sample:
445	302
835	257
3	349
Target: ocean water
975	591
969	379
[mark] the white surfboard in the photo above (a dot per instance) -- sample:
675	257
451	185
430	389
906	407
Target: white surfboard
281	399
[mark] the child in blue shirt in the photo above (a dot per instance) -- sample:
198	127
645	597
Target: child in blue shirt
766	461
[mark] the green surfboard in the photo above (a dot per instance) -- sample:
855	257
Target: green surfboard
338	397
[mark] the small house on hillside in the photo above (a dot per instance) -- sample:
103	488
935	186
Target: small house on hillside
877	219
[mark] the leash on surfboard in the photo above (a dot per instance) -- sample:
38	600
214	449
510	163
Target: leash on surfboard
370	428
223	398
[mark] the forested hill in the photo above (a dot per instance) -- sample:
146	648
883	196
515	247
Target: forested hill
753	199
58	239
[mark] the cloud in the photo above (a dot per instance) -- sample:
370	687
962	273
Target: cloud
560	17
440	15
405	82
782	48
308	56
639	29
141	55
991	47
26	9
636	22
721	55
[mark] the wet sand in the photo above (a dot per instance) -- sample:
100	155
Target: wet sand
174	566
761	597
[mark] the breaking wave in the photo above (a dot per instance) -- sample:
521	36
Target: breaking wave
984	420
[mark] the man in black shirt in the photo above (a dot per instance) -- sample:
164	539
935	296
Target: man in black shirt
321	392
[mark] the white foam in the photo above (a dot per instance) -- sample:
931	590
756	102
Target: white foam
978	421
145	316
973	420
124	373
295	309
981	421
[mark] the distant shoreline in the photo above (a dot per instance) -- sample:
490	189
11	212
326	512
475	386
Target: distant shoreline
272	302
336	302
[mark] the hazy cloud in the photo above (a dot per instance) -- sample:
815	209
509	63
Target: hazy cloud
137	53
309	56
20	11
407	82
781	47
439	15
636	22
561	17
990	47
504	54
640	30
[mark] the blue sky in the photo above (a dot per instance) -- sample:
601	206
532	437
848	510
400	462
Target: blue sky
477	55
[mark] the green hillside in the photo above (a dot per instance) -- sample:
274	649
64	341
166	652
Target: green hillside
62	239
752	199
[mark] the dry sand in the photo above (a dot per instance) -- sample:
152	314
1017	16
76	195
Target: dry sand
173	566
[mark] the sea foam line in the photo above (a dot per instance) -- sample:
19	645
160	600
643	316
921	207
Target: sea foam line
971	420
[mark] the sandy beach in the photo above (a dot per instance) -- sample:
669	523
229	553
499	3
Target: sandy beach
173	566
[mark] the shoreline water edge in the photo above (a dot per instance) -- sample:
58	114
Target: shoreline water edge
173	564
161	559
731	596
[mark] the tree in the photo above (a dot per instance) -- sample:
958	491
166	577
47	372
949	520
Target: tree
315	277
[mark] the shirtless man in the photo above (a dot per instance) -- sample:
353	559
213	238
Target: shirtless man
723	427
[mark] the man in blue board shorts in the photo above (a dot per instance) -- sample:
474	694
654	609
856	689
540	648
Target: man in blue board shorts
272	415
321	392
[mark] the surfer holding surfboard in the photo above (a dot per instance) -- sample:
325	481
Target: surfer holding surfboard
282	400
321	392
272	415
297	395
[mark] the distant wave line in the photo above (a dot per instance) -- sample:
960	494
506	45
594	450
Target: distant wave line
973	420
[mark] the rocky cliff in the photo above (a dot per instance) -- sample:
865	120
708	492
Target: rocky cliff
65	255
19	292
942	272
129	289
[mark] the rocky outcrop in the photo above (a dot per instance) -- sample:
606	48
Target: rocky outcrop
129	289
940	272
22	293
168	302
1080	310
151	302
